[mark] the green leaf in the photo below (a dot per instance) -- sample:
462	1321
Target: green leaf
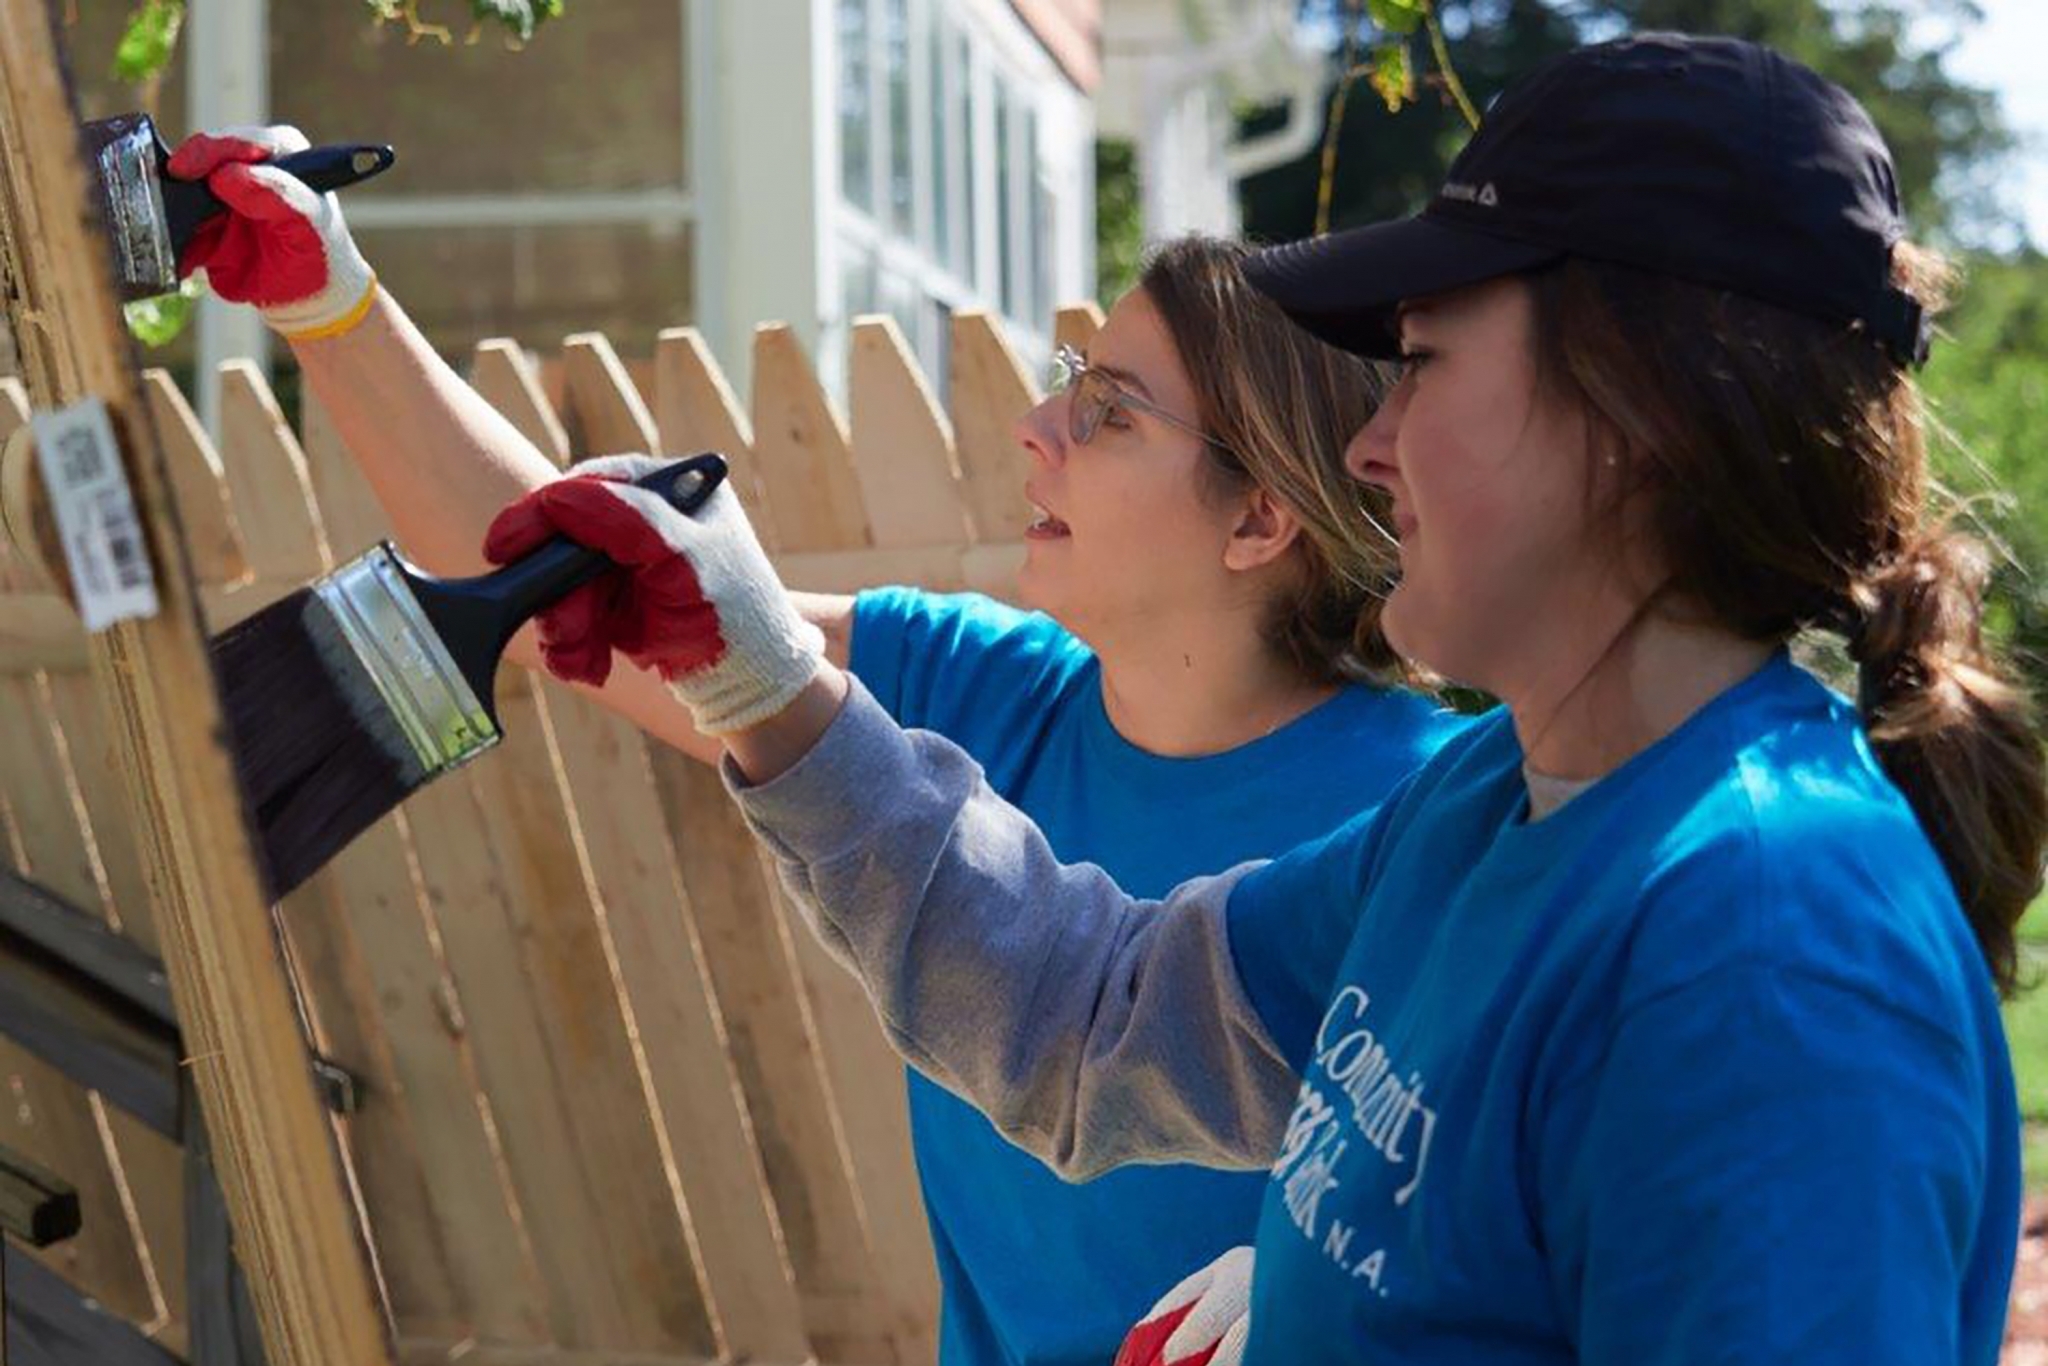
1398	17
146	44
1392	76
519	16
157	322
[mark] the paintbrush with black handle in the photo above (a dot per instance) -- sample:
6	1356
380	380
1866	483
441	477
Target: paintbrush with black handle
349	695
152	216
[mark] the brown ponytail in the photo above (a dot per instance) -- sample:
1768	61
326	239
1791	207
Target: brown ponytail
1783	461
1953	731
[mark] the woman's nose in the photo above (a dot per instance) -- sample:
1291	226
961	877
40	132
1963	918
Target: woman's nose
1374	442
1042	431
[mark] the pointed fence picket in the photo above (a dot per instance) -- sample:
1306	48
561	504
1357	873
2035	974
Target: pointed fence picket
617	1105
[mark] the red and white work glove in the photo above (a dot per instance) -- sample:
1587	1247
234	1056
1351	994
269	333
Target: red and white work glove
1202	1321
694	598
281	245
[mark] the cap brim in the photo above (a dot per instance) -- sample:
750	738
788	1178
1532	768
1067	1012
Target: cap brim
1345	286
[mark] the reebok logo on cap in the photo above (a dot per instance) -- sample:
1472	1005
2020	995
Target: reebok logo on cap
1467	193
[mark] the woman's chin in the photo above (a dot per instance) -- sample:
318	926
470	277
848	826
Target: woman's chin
1404	622
1036	590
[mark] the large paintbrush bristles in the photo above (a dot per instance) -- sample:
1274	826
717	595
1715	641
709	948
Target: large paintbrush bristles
319	755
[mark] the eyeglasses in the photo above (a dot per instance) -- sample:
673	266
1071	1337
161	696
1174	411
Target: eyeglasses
1096	395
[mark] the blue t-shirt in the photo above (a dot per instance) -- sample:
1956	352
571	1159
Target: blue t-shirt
1704	1067
1035	1270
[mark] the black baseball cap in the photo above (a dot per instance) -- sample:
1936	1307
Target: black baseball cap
1712	160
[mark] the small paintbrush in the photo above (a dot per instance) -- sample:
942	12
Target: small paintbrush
152	216
349	695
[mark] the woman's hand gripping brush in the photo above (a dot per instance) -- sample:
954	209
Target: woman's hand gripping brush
694	599
282	245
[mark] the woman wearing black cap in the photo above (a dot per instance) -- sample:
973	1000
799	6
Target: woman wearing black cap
1656	1019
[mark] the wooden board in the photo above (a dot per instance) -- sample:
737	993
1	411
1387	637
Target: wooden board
775	1053
709	1134
800	450
48	1118
294	1225
149	1163
268	479
1075	325
990	392
509	1279
902	444
695	410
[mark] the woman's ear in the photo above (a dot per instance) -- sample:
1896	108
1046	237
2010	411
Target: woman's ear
1265	530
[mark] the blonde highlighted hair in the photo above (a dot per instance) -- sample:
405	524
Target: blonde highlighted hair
1281	407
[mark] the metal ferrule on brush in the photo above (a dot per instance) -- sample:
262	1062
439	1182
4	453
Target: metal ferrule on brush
428	698
131	175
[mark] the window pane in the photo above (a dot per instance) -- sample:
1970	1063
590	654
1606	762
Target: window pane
856	280
896	59
470	119
856	112
899	301
1006	246
1036	312
968	256
1044	207
942	171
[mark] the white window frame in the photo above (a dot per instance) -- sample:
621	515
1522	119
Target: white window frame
1000	51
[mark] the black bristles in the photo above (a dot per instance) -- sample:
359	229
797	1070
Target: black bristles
319	752
319	756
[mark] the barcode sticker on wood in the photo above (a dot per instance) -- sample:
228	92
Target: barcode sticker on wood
95	512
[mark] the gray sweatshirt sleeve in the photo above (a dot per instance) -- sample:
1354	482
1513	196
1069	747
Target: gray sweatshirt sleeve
1093	1029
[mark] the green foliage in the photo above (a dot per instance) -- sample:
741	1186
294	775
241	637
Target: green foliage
1393	78
2026	1032
152	33
1397	17
1119	226
158	321
1943	133
521	17
146	44
1988	385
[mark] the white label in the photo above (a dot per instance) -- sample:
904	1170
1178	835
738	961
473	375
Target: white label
95	513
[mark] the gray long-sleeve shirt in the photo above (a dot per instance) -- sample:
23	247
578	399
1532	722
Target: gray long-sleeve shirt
1094	1029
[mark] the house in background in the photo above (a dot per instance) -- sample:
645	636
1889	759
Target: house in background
650	163
1174	75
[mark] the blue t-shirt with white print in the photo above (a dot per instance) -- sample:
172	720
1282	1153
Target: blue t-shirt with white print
1704	1067
1033	1269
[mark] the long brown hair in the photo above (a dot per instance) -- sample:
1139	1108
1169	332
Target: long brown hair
1282	406
1784	462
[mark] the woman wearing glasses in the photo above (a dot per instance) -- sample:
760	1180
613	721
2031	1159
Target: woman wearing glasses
1207	683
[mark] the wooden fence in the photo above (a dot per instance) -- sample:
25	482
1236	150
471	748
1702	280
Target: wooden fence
617	1106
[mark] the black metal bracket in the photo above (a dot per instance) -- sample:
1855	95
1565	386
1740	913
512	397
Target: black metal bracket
95	1006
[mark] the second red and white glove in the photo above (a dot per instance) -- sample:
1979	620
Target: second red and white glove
281	245
694	598
1203	1321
